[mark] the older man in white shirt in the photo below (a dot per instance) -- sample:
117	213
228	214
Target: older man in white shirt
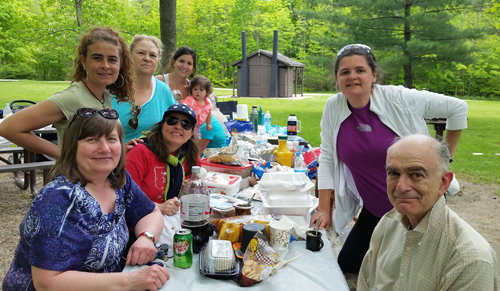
422	244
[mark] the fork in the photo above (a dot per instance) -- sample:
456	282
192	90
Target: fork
284	262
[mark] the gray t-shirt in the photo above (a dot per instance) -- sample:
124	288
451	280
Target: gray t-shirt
74	97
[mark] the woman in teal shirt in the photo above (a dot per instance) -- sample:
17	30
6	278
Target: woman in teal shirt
151	98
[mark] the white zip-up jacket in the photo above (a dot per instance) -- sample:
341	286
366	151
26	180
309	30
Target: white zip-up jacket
402	110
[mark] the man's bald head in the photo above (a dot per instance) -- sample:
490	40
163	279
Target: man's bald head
418	139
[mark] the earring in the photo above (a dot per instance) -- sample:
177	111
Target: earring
123	81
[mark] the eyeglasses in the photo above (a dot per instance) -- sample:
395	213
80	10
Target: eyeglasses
172	120
108	113
133	122
364	48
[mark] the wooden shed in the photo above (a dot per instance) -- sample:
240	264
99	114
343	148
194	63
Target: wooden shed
290	75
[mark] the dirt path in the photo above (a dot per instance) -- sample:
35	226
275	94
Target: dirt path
479	205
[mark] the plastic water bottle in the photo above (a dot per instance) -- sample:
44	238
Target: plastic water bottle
7	111
261	136
300	165
267	121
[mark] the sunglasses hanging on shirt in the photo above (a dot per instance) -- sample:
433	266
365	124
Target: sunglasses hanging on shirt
135	111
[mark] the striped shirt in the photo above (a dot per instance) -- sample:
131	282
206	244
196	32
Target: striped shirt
442	252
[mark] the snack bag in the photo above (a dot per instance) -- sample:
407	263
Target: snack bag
231	228
258	261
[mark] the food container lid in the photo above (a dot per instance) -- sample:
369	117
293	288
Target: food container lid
205	162
218	258
219	179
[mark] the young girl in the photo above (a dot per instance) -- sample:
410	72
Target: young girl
201	88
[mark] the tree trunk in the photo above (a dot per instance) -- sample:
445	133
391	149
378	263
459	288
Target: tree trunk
78	6
408	76
168	30
470	79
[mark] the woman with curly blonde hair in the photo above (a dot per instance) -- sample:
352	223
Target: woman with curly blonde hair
102	67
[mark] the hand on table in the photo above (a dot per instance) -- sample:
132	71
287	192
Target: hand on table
324	219
141	252
170	207
151	278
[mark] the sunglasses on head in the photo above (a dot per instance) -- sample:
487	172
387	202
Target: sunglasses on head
133	122
172	120
364	48
108	113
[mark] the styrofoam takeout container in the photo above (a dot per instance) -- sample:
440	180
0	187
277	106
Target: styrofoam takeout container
285	182
225	184
289	205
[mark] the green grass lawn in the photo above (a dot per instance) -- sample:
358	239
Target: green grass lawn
482	136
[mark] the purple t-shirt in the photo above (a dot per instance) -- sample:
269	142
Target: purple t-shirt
362	145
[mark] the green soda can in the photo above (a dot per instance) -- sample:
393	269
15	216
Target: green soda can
183	248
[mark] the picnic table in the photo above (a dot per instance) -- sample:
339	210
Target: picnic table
25	161
439	126
313	271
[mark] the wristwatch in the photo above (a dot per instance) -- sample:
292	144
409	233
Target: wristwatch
148	235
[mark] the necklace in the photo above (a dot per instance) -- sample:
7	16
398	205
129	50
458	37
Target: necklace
102	102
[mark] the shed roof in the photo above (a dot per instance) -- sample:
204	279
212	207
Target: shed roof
281	59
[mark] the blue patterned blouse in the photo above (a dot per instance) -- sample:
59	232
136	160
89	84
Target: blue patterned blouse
65	230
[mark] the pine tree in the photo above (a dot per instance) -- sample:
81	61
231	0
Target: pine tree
407	33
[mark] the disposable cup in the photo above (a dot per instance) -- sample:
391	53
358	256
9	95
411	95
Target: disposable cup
280	236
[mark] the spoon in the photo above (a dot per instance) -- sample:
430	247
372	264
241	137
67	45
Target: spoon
317	223
250	201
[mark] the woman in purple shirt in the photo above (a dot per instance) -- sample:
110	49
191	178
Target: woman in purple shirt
357	127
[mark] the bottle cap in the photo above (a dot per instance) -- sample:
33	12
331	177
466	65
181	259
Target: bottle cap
282	137
195	170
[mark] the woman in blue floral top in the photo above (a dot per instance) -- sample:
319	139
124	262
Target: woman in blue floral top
77	224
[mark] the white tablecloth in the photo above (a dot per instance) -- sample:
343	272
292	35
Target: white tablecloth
313	271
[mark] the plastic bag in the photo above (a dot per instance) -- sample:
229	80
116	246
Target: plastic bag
231	155
239	126
258	261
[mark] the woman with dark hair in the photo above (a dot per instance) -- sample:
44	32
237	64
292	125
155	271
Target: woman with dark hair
77	224
181	68
162	163
102	67
358	126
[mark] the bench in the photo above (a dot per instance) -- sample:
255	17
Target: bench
29	176
13	150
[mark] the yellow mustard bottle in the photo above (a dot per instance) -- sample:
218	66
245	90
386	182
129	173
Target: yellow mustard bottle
283	154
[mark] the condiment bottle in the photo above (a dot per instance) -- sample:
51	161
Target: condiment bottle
293	127
283	155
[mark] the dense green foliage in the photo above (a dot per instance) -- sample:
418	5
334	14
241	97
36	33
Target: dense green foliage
38	37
